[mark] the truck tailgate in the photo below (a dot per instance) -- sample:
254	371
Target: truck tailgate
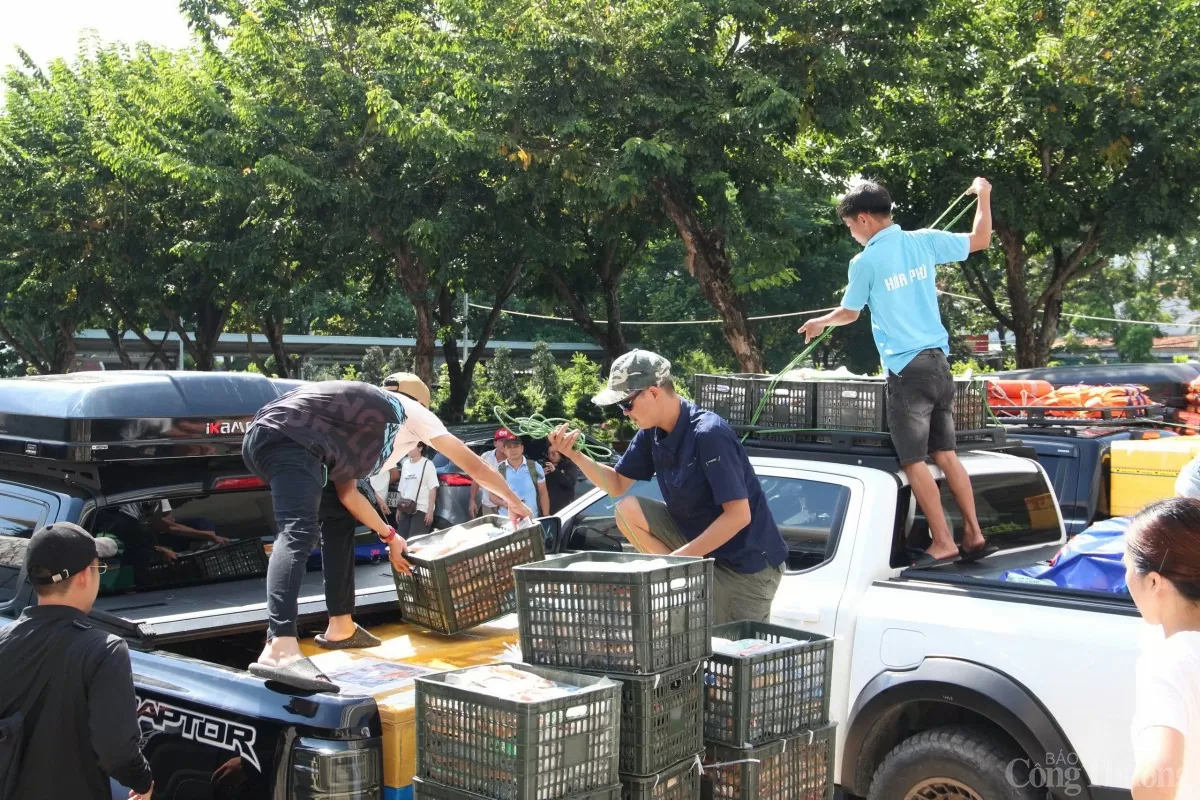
387	672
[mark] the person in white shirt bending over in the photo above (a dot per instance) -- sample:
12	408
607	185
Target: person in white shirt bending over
1162	570
417	494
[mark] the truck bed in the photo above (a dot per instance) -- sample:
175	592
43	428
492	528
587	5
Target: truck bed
985	578
193	612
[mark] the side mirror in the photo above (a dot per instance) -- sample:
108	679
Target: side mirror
551	533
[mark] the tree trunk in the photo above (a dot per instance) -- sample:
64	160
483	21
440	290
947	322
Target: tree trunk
254	356
1015	263
210	324
409	270
272	327
117	336
609	336
27	355
708	263
64	348
462	376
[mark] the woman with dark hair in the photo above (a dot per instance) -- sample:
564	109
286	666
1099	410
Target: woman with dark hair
1162	563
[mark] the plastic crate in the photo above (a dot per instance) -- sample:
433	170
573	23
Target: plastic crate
510	750
797	768
468	588
737	398
662	718
970	405
753	699
245	558
678	782
431	790
626	622
852	405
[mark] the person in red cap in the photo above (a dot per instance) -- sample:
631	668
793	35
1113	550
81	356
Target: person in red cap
68	719
482	504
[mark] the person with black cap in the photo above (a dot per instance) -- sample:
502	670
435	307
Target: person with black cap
339	433
67	702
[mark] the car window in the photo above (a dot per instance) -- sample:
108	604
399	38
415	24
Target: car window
21	516
1014	510
809	515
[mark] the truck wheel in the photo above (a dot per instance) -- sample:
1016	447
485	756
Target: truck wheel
957	762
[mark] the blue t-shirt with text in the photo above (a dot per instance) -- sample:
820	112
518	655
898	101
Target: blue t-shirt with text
895	275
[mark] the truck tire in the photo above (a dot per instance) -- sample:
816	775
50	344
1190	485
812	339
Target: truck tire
957	762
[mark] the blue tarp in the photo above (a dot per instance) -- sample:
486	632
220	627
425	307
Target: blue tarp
1091	560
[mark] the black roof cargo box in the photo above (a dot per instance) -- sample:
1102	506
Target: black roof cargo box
122	415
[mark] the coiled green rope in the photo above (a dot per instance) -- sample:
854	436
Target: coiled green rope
539	427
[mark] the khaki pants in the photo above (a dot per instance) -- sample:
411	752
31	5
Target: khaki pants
737	595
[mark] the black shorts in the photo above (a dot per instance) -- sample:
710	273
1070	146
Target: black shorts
920	407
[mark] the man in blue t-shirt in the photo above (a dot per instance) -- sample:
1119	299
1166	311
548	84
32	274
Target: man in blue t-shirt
895	275
714	505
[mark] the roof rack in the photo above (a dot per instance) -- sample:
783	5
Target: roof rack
872	448
1048	416
97	417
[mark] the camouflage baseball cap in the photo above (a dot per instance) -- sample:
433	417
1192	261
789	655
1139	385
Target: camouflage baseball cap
632	372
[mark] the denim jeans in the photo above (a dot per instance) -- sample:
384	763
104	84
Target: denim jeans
306	512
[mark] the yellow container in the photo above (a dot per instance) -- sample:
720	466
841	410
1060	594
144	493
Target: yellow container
387	672
1144	471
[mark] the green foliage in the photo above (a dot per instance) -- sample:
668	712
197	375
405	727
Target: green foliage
398	361
502	376
374	367
545	371
350	373
581	382
692	363
441	390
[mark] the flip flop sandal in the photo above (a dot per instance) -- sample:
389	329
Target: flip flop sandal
925	561
971	556
361	638
299	674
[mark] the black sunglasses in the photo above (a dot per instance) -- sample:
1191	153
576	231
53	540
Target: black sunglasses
627	403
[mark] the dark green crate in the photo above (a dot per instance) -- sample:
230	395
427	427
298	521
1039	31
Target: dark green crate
753	699
662	718
678	782
431	790
970	405
510	750
244	558
468	588
738	398
851	405
617	622
797	768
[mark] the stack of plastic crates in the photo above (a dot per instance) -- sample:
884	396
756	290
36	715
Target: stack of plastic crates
648	628
766	714
482	744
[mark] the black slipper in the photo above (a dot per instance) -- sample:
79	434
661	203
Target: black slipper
361	638
971	556
925	561
299	674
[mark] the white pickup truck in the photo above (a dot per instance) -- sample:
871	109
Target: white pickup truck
947	682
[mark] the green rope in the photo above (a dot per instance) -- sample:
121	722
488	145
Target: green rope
539	427
779	375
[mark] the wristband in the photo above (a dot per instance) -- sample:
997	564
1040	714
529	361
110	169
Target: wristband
391	535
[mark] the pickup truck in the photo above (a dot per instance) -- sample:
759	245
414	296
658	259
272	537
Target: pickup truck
947	683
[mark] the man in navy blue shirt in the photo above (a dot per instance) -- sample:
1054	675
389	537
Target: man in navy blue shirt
714	505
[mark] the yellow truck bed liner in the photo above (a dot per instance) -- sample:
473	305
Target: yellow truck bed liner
387	672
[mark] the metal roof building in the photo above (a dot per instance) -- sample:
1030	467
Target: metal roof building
95	350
